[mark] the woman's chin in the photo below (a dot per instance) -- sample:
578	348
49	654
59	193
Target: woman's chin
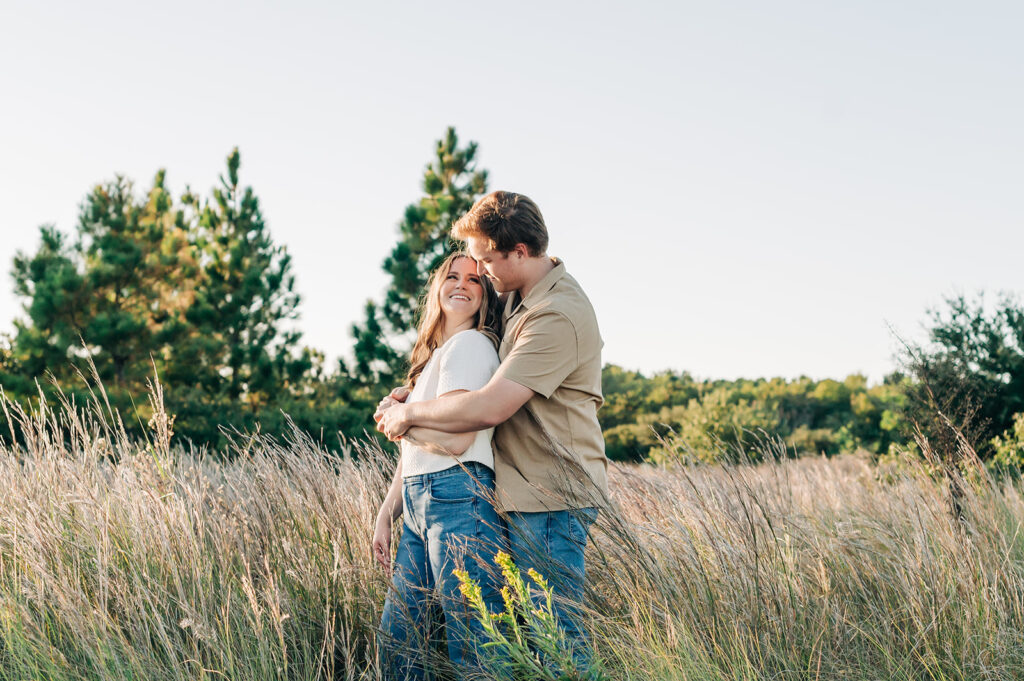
458	317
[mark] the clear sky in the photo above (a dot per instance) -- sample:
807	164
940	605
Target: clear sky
743	189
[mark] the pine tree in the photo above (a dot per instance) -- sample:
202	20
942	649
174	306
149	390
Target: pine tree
105	294
451	184
139	272
239	351
52	282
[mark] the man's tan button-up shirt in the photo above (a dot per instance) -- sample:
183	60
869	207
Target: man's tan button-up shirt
550	455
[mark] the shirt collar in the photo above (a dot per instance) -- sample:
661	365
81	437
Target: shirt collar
538	292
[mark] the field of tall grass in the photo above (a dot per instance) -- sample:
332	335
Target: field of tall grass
144	560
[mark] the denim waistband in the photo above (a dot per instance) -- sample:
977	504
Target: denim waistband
476	469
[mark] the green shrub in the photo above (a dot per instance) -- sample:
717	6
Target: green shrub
1008	448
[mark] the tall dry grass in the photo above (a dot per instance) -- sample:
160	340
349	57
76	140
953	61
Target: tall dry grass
127	560
812	569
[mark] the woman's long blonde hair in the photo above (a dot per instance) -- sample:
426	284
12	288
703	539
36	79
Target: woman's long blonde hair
431	326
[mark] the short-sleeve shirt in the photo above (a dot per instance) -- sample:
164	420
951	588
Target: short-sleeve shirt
550	455
466	361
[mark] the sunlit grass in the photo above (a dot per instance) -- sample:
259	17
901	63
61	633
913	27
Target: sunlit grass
125	560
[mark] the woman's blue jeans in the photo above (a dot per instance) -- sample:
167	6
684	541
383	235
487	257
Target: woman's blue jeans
449	523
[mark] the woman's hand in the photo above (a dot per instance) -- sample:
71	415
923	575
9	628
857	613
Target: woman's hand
384	405
397	396
381	546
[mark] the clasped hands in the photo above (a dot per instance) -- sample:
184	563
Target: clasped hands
390	414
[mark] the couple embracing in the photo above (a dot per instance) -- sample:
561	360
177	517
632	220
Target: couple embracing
500	443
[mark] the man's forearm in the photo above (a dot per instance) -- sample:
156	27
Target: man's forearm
460	413
457	413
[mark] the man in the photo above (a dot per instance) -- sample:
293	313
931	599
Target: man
550	466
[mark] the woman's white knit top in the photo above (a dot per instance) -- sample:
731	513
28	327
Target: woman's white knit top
466	361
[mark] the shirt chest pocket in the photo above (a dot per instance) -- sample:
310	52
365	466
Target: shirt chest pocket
508	340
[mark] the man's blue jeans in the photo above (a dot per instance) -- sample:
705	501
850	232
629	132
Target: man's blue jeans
449	521
552	543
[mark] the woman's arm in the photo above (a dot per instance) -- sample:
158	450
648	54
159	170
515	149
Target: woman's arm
392	505
440	442
389	511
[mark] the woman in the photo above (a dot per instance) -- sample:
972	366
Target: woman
443	483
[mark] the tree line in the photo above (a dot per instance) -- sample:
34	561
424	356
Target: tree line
192	289
707	419
964	385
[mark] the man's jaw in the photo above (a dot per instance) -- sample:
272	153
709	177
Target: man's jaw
498	284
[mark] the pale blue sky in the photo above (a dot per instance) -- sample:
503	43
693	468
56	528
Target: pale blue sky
744	189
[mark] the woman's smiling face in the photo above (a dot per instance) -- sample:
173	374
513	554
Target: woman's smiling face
461	291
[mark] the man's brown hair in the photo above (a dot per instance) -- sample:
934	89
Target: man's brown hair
505	219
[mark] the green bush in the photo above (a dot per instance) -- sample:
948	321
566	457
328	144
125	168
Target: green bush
1008	448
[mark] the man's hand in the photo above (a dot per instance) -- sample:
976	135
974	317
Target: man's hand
392	421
